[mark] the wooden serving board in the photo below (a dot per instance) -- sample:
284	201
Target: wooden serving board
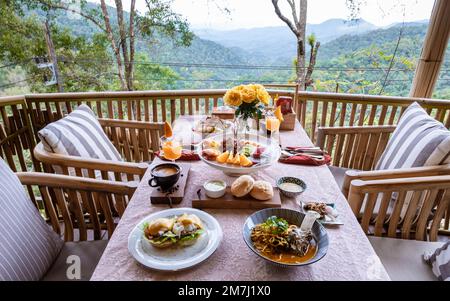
228	201
158	197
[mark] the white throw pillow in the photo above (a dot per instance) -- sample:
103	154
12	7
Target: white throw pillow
78	134
440	262
418	140
28	246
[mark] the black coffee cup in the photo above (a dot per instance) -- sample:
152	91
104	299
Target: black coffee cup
165	176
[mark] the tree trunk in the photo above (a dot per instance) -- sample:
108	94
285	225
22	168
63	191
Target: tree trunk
114	47
311	65
123	43
53	57
300	68
132	41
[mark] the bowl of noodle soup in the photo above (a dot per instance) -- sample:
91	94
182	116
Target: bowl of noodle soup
274	246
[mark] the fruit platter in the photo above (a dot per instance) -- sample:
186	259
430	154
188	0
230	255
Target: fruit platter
244	154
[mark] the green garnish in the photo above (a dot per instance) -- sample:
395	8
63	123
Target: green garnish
192	235
276	225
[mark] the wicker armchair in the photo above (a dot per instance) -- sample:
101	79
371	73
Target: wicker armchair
355	152
85	211
136	141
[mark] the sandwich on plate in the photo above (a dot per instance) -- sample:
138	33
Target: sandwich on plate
181	230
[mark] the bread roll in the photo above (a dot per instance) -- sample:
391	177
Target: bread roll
242	186
262	190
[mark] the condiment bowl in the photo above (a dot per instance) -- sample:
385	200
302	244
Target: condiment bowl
293	180
214	193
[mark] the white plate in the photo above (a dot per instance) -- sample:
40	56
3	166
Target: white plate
177	258
273	152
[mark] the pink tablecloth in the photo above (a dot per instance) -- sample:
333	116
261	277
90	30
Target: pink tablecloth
350	255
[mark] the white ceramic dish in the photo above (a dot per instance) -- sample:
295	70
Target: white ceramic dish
215	193
271	155
176	258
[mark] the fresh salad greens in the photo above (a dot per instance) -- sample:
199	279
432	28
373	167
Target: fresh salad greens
275	225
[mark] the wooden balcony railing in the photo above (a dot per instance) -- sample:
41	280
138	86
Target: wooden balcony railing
21	117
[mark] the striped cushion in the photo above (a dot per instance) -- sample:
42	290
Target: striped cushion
440	261
78	134
418	140
28	246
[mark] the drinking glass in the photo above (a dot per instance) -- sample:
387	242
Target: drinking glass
272	125
171	147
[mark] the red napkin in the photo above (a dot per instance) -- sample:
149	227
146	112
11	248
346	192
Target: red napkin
305	159
186	155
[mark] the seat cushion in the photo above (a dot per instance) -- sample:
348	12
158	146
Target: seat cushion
338	174
89	253
78	134
403	259
28	246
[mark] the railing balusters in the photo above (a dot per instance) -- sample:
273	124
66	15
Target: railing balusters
155	110
163	109
172	110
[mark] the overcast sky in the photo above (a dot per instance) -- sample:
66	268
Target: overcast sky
259	13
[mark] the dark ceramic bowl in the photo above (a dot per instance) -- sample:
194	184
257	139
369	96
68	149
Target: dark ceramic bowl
292	217
291	194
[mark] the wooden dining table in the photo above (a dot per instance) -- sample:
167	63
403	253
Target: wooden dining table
350	255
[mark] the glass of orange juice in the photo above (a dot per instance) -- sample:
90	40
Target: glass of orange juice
272	125
171	148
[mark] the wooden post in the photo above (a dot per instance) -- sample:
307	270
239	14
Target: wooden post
52	55
433	51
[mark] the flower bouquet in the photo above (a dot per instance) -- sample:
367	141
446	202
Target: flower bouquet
249	101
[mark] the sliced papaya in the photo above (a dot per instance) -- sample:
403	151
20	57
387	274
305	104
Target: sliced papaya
236	159
230	158
168	130
223	157
245	162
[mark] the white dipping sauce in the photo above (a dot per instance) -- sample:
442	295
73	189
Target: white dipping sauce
214	186
291	187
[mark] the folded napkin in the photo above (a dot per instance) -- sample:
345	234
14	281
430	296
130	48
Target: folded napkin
186	155
304	156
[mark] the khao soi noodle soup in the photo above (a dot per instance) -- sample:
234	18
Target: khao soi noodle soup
279	241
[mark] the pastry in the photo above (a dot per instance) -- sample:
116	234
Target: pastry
242	186
210	154
262	190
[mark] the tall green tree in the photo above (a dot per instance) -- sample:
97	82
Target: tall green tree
81	59
158	17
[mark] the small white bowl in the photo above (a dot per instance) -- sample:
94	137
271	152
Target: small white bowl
214	194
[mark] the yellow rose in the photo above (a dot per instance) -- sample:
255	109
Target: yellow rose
232	97
248	94
263	96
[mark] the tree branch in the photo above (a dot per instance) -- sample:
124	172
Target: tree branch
312	64
284	18
294	13
79	12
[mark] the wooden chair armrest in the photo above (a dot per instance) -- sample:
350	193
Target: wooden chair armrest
322	132
78	162
76	183
358	187
131	124
432	190
425	171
